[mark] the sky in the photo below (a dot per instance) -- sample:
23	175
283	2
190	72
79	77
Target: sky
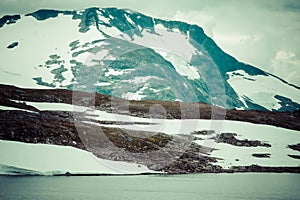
263	33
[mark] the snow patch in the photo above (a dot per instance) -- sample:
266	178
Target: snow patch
129	20
181	65
164	40
113	72
52	159
56	106
140	79
12	108
102	84
102	18
138	95
261	89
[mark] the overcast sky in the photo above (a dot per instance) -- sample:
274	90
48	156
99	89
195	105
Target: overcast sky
264	33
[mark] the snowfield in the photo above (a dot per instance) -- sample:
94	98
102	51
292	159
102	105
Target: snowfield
52	159
38	35
278	138
261	89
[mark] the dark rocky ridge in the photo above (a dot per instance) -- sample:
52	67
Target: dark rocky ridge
229	138
45	14
9	19
173	110
294	156
295	147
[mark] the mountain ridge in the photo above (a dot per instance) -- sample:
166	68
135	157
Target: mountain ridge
199	56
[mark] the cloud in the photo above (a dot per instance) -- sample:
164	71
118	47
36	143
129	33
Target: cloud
287	64
207	22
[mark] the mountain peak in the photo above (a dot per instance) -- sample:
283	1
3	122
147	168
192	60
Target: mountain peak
133	56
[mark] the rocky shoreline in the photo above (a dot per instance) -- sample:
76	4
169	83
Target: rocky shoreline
236	169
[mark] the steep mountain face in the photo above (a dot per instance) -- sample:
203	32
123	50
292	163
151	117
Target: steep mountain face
132	56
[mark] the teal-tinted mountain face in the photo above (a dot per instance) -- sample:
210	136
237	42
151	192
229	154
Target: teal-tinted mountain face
132	56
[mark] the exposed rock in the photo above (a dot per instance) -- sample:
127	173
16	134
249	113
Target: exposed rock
203	132
46	14
13	45
295	147
193	161
294	156
229	138
9	19
137	144
257	168
41	127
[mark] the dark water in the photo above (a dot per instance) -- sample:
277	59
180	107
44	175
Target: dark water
182	187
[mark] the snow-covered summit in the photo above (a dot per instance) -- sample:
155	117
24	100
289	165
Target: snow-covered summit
129	55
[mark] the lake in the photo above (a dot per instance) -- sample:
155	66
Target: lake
152	187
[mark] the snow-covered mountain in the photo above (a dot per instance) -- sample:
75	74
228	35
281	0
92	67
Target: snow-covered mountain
129	55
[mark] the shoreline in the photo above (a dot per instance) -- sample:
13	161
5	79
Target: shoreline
235	170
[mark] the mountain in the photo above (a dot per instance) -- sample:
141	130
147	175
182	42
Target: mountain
107	91
129	55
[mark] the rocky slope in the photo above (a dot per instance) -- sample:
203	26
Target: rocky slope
21	120
171	110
